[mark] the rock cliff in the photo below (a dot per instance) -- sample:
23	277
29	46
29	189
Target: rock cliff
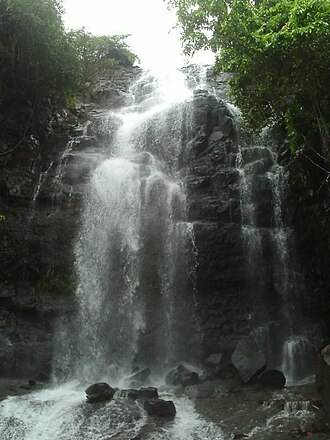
41	192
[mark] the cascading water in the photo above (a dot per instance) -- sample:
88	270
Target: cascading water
130	253
42	178
135	264
272	276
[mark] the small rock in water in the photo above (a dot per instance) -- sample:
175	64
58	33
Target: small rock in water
99	392
31	384
272	378
138	378
160	408
182	375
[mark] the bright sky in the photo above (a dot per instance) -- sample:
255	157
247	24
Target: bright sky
148	21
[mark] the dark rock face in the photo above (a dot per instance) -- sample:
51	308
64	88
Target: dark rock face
237	293
272	378
160	408
310	215
212	182
42	184
323	380
114	93
99	392
41	192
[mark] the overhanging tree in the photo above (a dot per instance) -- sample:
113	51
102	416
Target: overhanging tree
40	60
279	54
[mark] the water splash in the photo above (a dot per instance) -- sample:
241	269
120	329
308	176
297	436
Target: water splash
61	413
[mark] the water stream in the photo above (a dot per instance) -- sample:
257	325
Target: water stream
135	263
135	266
273	280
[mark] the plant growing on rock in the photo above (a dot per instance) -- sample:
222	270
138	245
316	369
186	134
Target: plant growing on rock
57	283
99	56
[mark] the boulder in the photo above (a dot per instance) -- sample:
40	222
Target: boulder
148	393
131	393
160	408
214	359
272	378
138	378
182	375
323	380
99	392
248	359
213	362
142	393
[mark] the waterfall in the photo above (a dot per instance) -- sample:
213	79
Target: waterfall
272	277
135	262
136	266
42	178
135	253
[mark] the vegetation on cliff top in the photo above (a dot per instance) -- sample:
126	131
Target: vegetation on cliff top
40	60
279	53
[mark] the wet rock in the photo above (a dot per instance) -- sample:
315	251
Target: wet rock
207	375
182	375
148	393
160	408
131	393
142	393
248	359
272	378
213	362
323	380
214	359
32	384
138	378
204	390
99	392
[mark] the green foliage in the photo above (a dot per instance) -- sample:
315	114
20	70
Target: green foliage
56	283
40	60
279	53
99	56
36	63
2	218
36	57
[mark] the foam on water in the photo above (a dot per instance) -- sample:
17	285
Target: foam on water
62	413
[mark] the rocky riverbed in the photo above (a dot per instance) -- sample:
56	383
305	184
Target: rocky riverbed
221	409
256	412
